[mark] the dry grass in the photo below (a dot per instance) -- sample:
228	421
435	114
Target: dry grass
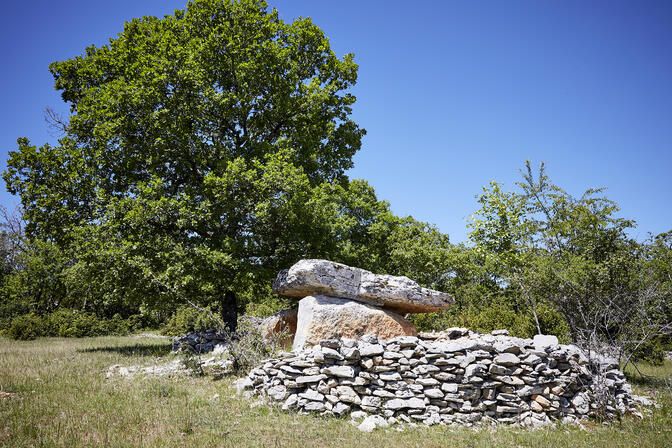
54	393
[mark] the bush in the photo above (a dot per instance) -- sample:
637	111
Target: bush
552	322
66	323
5	323
247	348
26	327
651	351
188	319
495	317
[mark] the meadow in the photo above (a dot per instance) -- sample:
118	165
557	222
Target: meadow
55	393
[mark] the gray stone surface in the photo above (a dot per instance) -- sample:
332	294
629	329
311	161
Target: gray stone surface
437	382
322	277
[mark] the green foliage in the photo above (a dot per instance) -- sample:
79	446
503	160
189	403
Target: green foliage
188	319
26	327
37	286
66	323
552	322
267	305
652	351
496	316
197	145
192	361
542	245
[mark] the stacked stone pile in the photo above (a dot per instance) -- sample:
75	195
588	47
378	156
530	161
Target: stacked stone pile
201	342
472	379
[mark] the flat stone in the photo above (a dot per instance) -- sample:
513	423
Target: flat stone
507	359
427	381
433	393
544	402
322	317
340	408
310	379
411	403
373	402
277	393
310	394
340	371
314	406
383	393
323	277
394	376
371	349
348	395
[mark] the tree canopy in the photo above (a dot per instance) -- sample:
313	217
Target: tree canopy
204	152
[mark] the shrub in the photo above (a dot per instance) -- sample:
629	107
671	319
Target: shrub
651	351
26	327
552	322
247	348
497	316
5	323
66	323
188	319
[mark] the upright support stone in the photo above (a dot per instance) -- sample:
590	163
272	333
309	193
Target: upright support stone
323	317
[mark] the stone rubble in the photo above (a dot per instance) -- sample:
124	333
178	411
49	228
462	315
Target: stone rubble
467	379
175	367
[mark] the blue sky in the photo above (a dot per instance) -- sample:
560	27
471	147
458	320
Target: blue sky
453	94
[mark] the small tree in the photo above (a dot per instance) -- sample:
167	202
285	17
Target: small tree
575	254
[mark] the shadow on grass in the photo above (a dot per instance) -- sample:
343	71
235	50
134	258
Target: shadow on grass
650	376
648	380
133	350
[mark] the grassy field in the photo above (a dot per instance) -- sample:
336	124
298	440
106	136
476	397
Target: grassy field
53	392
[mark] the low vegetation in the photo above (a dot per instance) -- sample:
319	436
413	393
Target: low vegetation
54	392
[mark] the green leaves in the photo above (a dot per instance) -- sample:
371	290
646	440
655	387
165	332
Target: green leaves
196	154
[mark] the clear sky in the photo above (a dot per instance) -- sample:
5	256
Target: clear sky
453	94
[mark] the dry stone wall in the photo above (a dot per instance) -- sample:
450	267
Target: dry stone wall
472	378
200	342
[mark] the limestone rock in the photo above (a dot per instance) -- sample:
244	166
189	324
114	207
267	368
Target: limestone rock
322	277
479	378
281	322
322	317
371	422
543	341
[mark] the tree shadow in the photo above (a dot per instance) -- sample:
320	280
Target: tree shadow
133	350
649	381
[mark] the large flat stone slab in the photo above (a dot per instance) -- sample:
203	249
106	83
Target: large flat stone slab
323	277
321	317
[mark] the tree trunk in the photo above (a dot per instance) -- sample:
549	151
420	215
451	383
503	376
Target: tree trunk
229	311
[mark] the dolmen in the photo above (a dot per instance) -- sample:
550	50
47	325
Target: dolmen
338	301
354	353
